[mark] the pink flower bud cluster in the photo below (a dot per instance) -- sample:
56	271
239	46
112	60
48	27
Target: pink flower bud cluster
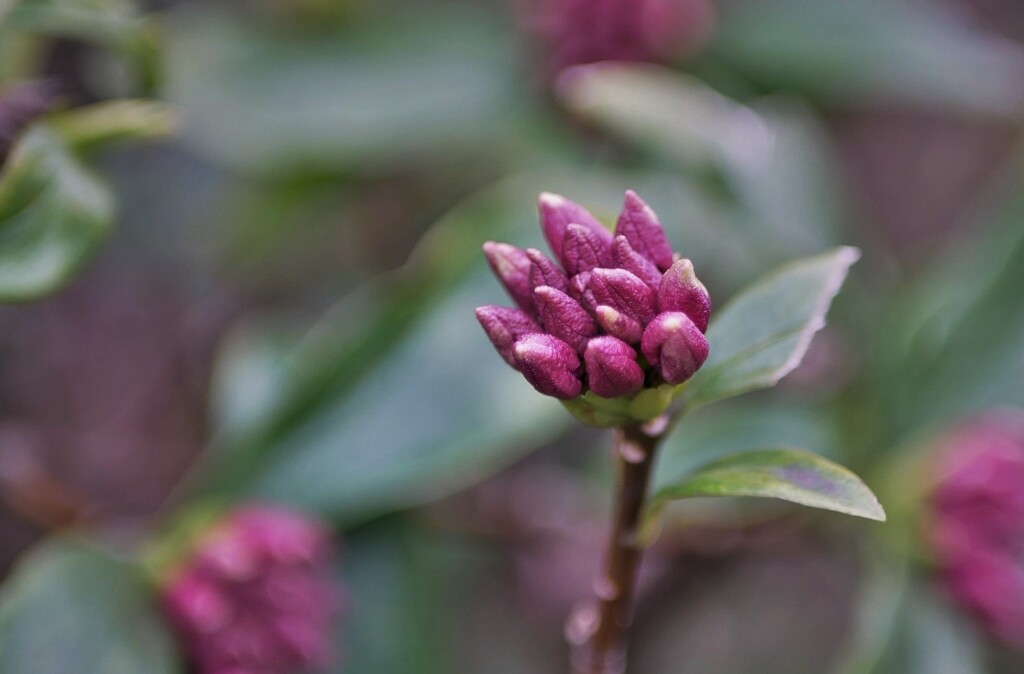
577	32
617	313
255	595
977	521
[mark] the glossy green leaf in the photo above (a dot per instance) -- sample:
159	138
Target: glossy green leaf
91	126
71	608
773	157
787	474
53	213
399	84
857	53
763	333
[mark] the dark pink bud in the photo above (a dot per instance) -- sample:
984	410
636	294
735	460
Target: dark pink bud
675	346
680	290
512	267
626	258
976	520
612	370
583	251
640	225
624	292
618	324
255	594
557	213
579	290
504	325
563	317
549	364
545	272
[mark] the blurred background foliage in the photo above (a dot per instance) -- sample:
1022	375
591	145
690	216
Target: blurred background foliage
252	233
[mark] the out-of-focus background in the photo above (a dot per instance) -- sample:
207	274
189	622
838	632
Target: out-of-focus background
249	270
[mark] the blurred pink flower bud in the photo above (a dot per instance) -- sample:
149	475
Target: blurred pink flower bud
550	365
681	291
504	325
675	346
255	594
612	370
976	523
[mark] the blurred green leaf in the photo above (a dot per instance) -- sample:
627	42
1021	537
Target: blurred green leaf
787	474
52	215
773	157
71	608
763	333
405	82
864	52
91	126
113	23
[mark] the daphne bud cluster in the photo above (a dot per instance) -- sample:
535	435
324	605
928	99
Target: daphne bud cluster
617	313
976	522
255	595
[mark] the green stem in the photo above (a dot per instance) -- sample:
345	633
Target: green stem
599	632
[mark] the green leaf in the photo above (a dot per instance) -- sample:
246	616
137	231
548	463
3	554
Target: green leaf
53	213
763	333
71	608
91	126
774	157
402	83
112	23
787	474
858	53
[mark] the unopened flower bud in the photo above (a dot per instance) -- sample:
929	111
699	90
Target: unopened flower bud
579	290
675	346
612	370
582	250
512	267
544	272
680	290
557	213
564	317
255	594
626	258
618	324
640	226
624	292
504	325
549	364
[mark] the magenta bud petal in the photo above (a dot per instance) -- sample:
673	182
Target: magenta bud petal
675	346
557	213
512	267
504	325
582	250
612	370
640	225
624	292
618	324
564	317
549	364
680	290
544	272
580	291
626	258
